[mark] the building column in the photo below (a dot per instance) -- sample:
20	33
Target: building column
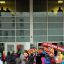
5	48
31	21
15	49
63	29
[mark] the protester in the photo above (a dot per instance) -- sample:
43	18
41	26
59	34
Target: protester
1	62
22	58
3	57
43	59
8	58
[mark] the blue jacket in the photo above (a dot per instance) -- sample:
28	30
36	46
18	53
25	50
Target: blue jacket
47	61
62	62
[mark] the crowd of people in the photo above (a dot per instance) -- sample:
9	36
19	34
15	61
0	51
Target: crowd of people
16	58
40	56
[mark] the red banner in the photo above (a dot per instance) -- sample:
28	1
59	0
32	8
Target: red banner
53	46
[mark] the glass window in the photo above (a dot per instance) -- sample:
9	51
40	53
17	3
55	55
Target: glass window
39	32
55	32
5	33
0	24
10	47
54	5
0	32
39	20
40	25
7	26
13	23
23	39
13	33
0	39
10	4
55	25
55	38
23	17
8	32
55	20
23	32
22	5
39	5
22	26
8	39
40	38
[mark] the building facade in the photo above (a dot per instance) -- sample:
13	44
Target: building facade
31	22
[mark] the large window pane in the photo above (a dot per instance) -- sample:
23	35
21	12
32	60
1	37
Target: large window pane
7	19
8	39
8	32
39	20
40	38
9	4
22	17
54	5
22	5
55	38
22	21
39	5
23	32
55	20
55	32
40	25
22	25
39	32
7	26
55	25
23	39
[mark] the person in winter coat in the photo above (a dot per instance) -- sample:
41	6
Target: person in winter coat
22	58
31	59
13	58
52	60
1	62
8	58
47	60
43	58
3	57
62	60
38	59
